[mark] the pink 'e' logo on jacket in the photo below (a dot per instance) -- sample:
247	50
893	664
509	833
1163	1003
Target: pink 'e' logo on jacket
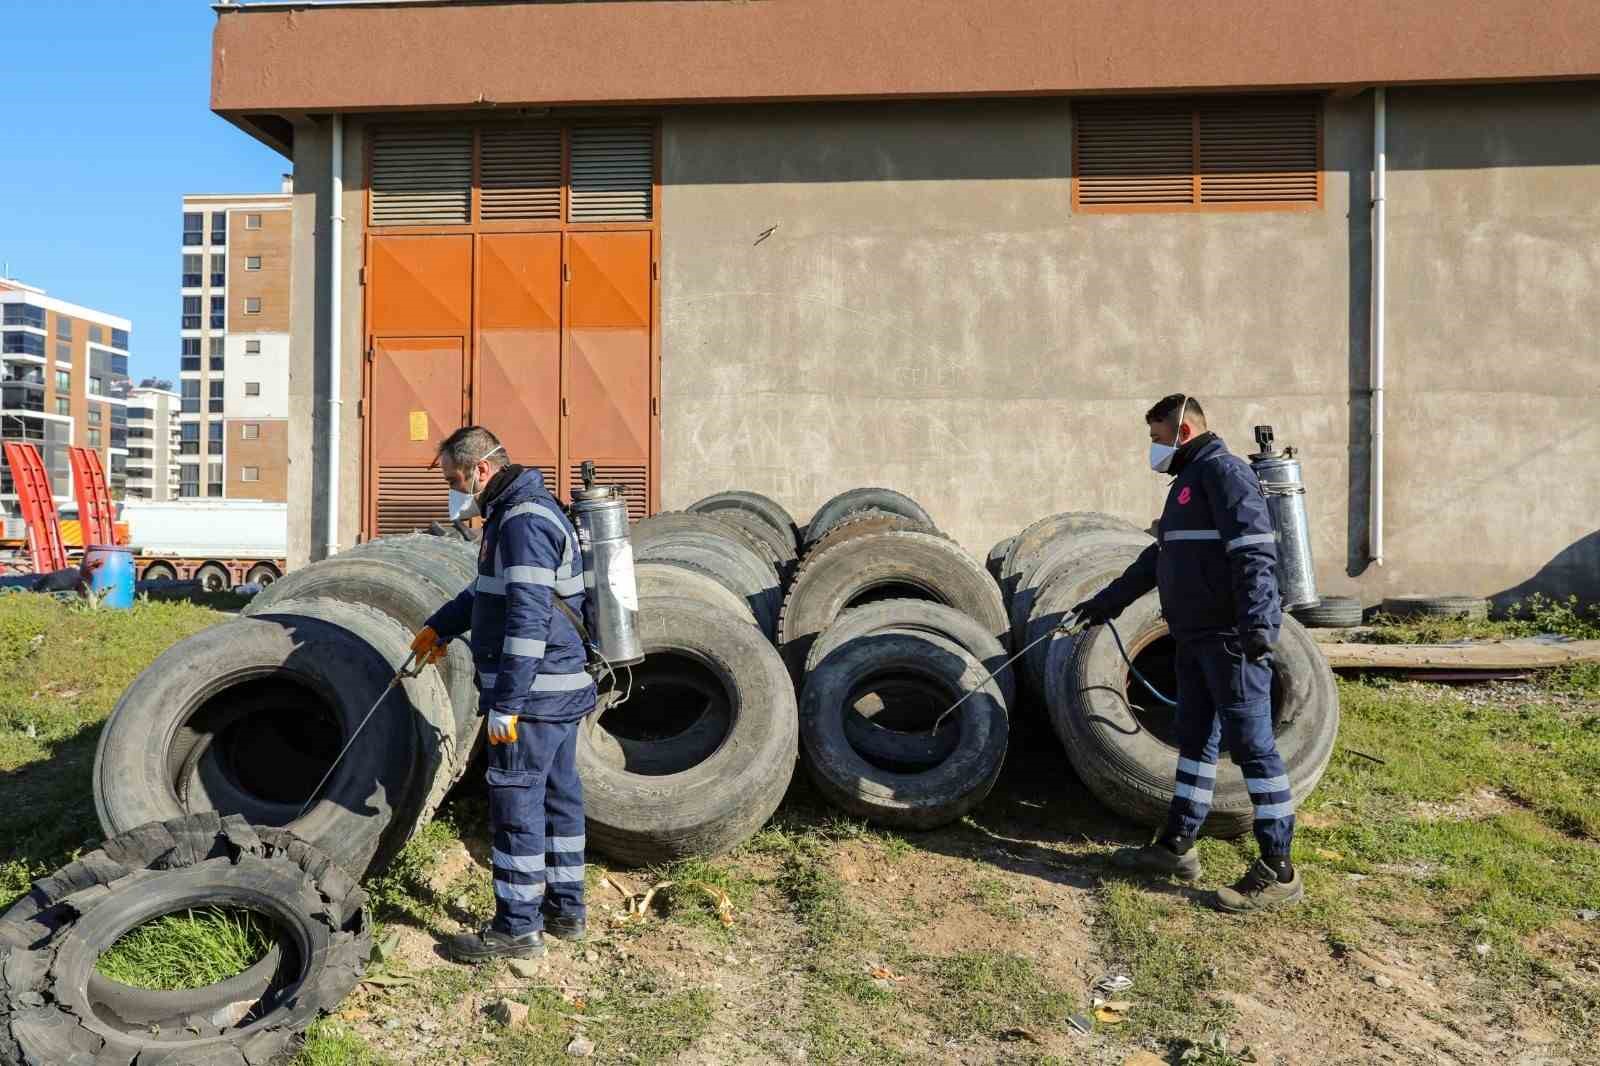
1183	496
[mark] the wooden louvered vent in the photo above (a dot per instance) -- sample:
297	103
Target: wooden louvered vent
520	173
1206	154
613	170
421	175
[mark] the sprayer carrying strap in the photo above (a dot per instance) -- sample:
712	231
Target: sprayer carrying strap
577	623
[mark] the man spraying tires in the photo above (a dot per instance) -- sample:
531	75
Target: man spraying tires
1214	564
534	690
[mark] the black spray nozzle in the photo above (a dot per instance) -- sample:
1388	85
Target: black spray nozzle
1264	439
586	472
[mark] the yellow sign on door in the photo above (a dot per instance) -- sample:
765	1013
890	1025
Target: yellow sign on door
419	425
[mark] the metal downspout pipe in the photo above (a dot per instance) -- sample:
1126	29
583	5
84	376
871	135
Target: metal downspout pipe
335	331
1380	165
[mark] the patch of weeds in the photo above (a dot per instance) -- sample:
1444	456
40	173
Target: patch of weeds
647	1021
1536	615
1171	965
445	986
1577	679
994	897
542	1039
1510	978
1214	1050
855	985
687	900
331	1043
986	992
472	892
402	890
191	949
817	897
834	1035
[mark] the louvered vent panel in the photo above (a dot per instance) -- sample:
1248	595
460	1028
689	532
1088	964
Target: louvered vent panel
612	171
1256	152
1135	154
421	175
520	173
634	480
409	498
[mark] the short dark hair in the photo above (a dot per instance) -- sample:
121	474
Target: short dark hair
468	444
1167	407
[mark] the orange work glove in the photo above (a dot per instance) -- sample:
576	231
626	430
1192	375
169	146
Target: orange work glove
502	728
427	646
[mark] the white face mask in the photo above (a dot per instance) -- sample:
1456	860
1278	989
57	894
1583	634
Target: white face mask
464	505
1161	454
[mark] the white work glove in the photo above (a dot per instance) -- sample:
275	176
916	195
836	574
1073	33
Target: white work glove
502	728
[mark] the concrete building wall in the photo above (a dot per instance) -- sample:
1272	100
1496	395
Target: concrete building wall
267	369
930	315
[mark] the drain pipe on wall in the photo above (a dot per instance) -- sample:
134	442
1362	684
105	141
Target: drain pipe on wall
335	330
1380	166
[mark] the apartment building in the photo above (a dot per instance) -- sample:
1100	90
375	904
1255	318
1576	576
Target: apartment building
234	371
153	439
64	370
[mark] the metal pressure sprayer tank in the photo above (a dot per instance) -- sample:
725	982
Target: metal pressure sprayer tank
611	596
1279	474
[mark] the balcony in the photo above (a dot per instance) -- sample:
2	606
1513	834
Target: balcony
189	364
19	397
191	322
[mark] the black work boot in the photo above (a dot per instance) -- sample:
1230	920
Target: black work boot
1160	858
490	943
564	926
1261	889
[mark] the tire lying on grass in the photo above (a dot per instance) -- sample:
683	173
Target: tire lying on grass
51	938
921	799
895	565
1122	743
1334	612
245	718
851	501
1471	608
700	753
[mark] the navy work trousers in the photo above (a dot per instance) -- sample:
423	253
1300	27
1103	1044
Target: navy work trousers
1224	696
536	825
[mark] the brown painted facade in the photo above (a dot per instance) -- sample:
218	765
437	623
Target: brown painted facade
266	457
269	284
271	63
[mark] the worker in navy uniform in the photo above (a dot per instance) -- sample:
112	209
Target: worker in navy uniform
534	691
1214	562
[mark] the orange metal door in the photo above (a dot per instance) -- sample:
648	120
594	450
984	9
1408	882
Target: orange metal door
607	361
517	385
418	392
420	286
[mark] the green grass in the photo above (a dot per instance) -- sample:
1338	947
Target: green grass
330	1043
1536	615
996	898
402	891
61	671
1172	955
638	1020
987	992
191	949
686	902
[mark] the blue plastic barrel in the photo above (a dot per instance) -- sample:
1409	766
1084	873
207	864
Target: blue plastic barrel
110	574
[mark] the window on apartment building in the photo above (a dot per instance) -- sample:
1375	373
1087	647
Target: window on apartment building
252	305
252	347
252	388
215	406
250	431
189	481
96	335
23	315
214	480
216	363
219	227
191	396
191	312
252	222
63	381
19	343
119	339
94	415
252	262
94	438
215	345
250	473
219	271
214	431
189	358
189	439
192	265
1222	153
64	327
194	228
219	311
63	406
64	352
97	385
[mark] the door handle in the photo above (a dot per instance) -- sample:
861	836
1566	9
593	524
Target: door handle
565	411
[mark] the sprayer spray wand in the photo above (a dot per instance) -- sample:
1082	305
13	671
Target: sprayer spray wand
406	670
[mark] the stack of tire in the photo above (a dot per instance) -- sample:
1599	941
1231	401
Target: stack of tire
1119	738
886	625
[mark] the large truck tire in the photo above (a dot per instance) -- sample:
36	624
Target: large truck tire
1333	612
768	510
1052	606
1056	557
901	564
1034	538
52	1009
681	580
1469	608
260	707
406	594
719	547
936	796
997	558
1125	751
702	665
860	523
851	501
775	545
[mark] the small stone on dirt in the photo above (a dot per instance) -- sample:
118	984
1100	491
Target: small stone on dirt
1381	981
427	1025
591	955
1587	915
1482	950
527	968
509	1013
581	1047
392	1023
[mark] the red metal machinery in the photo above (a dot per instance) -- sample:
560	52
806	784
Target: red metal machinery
95	512
38	503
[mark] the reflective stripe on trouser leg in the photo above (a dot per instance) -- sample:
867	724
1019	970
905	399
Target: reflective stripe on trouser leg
1199	735
564	826
516	830
1255	750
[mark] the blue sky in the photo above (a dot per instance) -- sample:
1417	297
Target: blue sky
104	126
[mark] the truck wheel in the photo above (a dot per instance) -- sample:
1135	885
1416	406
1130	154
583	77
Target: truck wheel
770	511
213	577
846	503
160	572
50	940
262	574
